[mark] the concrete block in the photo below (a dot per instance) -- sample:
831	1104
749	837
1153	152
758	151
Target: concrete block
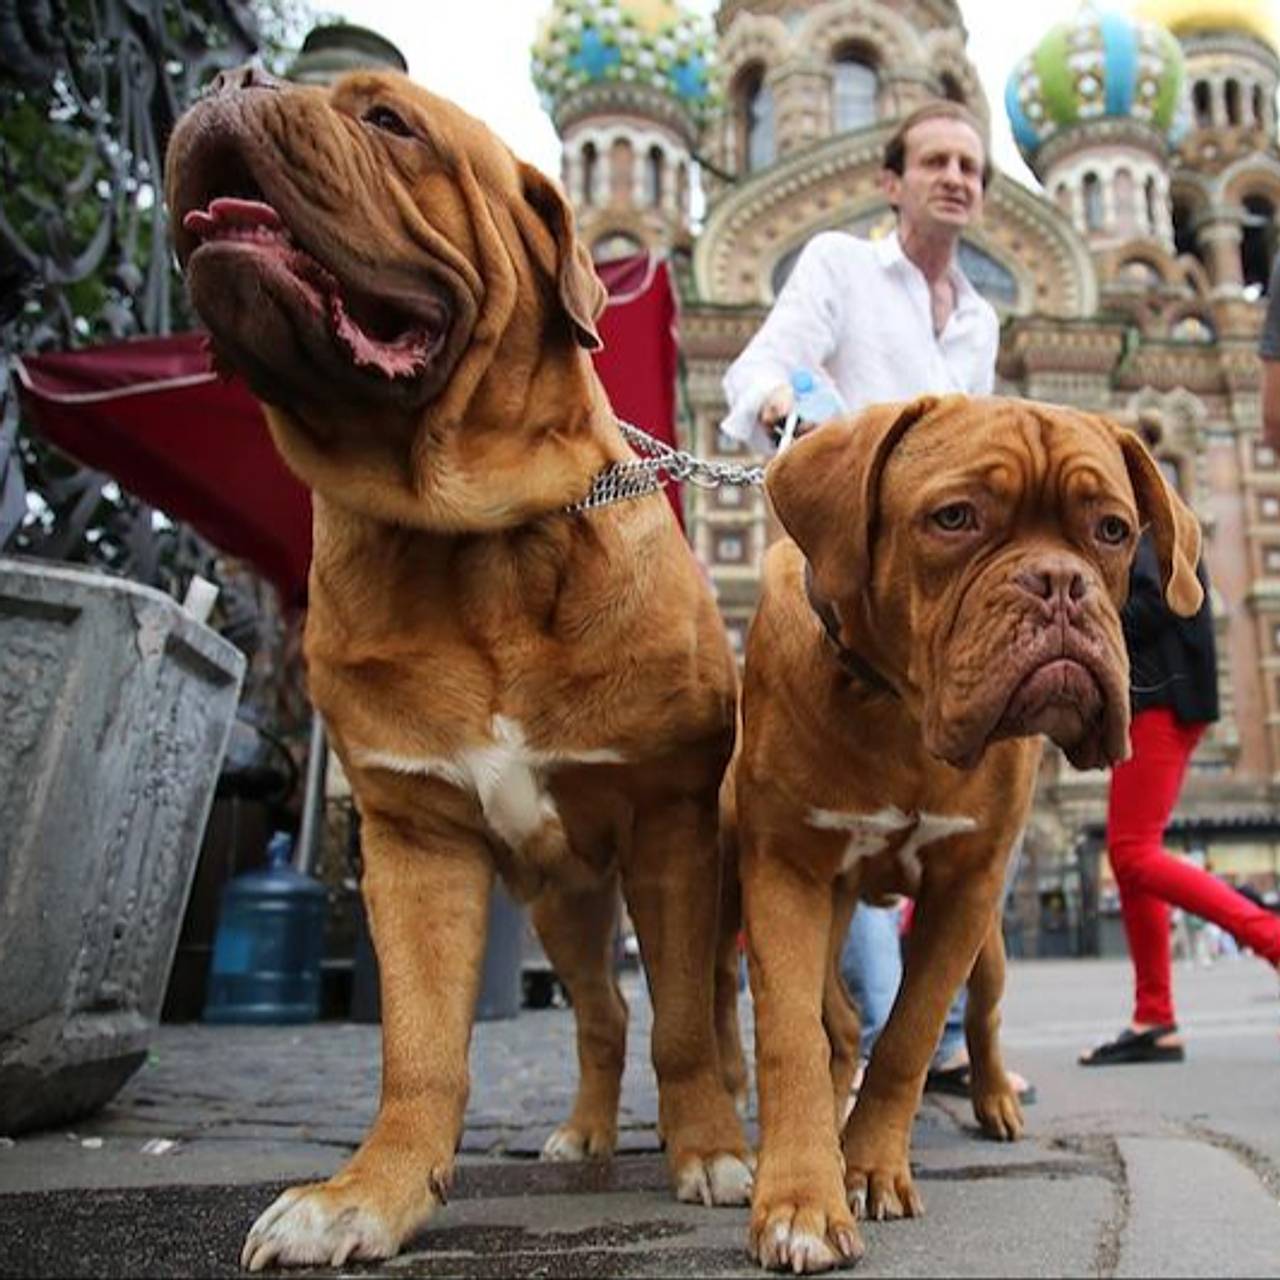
116	707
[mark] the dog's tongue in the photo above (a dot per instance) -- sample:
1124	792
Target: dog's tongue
232	211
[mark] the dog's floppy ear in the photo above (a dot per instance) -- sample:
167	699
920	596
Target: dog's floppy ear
825	489
581	293
1174	527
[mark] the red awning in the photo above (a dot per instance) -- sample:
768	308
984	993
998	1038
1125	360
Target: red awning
150	414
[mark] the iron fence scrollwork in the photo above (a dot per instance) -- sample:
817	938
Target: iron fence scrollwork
89	92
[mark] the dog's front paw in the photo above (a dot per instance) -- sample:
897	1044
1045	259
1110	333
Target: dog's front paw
323	1224
880	1192
580	1142
803	1236
719	1179
999	1113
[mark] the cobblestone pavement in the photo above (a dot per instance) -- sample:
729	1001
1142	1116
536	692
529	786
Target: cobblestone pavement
319	1083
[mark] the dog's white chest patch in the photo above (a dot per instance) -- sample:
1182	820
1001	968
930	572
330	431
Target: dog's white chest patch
870	833
505	774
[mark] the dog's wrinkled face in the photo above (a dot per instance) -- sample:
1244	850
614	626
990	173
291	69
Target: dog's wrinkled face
289	219
978	551
344	236
380	268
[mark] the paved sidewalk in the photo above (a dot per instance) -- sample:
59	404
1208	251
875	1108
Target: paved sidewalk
1170	1169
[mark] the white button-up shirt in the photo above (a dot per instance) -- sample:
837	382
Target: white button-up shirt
859	311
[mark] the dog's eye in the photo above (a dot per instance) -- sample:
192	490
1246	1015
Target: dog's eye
387	120
955	517
1113	531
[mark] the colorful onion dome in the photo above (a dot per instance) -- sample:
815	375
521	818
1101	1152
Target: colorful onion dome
1099	64
650	43
1255	18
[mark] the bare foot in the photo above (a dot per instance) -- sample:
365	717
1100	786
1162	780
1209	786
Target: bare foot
956	1068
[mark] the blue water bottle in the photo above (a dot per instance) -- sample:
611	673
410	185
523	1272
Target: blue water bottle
269	944
814	400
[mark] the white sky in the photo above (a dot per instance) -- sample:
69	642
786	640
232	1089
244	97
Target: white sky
477	53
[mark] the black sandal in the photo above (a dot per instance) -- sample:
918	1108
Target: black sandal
957	1082
1135	1046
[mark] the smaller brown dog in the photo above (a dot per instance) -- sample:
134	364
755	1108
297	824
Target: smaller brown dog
966	561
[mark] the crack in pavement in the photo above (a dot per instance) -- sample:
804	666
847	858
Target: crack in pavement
1261	1166
1103	1153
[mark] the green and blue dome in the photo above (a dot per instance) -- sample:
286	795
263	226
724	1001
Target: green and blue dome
651	43
1099	64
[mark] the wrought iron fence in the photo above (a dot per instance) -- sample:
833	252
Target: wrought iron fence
89	92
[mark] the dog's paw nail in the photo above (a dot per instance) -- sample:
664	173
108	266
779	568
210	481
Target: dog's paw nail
692	1186
256	1257
847	1243
782	1243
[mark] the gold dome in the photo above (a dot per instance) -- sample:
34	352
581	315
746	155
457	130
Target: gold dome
652	16
1182	17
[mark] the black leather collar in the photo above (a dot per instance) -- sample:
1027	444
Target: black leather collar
853	664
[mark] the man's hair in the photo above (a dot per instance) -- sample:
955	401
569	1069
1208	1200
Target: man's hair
895	150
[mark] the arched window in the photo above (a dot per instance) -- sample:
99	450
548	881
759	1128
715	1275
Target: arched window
1192	329
1233	101
1152	192
1184	230
1139	272
1257	244
615	244
854	85
1202	103
1126	203
621	165
952	88
992	279
1092	202
1259	110
653	176
755	120
682	188
782	269
590	167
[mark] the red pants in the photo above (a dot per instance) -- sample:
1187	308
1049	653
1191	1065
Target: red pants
1143	792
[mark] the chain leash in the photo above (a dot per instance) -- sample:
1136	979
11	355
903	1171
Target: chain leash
621	481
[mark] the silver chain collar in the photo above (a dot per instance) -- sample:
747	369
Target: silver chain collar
621	481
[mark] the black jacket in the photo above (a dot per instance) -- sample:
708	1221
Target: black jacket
1172	660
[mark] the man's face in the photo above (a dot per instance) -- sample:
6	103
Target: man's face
941	184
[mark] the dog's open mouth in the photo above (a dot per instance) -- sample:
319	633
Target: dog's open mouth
377	334
1061	699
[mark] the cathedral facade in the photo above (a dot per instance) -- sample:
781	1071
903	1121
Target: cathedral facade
1134	276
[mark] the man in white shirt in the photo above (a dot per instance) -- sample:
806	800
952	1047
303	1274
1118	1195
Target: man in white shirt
888	319
884	320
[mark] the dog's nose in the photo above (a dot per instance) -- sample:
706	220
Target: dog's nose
1058	582
237	79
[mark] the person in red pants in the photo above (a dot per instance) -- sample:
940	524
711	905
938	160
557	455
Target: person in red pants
1174	690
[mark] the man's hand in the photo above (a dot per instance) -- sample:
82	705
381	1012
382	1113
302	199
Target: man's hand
774	409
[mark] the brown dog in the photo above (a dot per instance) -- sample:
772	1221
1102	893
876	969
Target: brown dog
510	686
966	560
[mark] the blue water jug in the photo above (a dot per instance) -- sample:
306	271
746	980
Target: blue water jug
814	400
270	940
